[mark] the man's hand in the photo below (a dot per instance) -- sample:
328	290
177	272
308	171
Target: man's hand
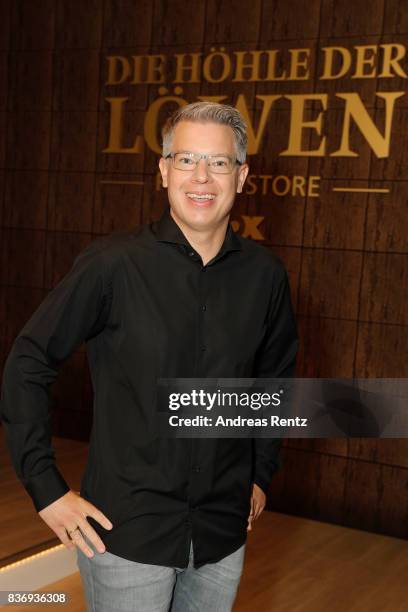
70	511
258	501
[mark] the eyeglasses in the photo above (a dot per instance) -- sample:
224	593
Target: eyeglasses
219	164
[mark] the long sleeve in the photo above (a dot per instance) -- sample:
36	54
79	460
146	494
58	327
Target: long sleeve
74	311
277	359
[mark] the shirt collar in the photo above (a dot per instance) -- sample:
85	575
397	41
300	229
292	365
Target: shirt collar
167	230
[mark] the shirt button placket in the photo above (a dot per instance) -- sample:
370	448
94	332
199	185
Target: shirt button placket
203	309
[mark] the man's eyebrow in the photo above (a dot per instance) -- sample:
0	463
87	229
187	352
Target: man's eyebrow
198	153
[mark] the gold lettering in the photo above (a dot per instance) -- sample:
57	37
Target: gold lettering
355	109
250	182
193	68
299	61
208	68
137	69
366	55
252	66
265	178
116	129
117	63
392	63
328	65
254	139
286	185
271	66
313	187
155	69
298	124
298	185
251	227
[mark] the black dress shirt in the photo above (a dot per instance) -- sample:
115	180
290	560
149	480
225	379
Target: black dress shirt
148	308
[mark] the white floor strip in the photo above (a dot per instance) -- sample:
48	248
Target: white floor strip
39	570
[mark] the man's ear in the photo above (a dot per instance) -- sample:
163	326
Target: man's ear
163	170
242	174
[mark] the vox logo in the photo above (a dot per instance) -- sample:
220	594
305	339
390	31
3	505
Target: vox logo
248	227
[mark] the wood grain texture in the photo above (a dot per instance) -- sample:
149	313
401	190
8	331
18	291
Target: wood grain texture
327	221
126	23
329	283
338	18
281	20
381	351
25	199
326	347
346	254
387	220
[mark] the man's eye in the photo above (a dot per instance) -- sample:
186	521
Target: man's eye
186	161
220	162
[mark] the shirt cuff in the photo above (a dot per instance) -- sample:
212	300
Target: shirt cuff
46	487
264	472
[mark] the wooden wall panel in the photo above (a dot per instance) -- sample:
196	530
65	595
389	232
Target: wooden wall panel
390	451
238	24
285	226
169	31
326	347
61	250
79	66
282	20
395	17
387	221
28	140
4	118
70	201
338	20
127	23
346	254
381	351
384	289
74	131
4	74
118	207
31	82
329	283
32	24
22	262
327	221
78	24
25	199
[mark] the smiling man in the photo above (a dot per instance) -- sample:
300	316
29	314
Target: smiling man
202	173
160	524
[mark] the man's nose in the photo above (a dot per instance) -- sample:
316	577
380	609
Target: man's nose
201	172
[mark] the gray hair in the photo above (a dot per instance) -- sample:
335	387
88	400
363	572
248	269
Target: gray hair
208	112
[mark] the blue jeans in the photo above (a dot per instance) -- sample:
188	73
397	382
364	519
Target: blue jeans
114	584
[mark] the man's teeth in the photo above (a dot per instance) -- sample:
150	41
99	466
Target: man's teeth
202	196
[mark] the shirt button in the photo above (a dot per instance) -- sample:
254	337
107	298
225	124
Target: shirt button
196	468
204	307
191	253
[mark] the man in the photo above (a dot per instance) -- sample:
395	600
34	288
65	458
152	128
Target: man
159	523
